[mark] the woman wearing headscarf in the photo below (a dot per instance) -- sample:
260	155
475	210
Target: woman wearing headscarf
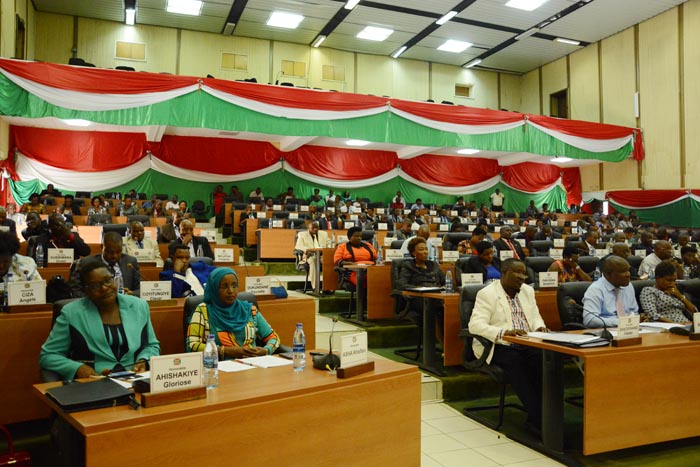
237	325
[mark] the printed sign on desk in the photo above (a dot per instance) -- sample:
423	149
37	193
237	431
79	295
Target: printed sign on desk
26	293
497	228
353	349
388	240
443	227
505	254
522	241
293	215
471	227
601	252
549	279
556	253
4	228
509	222
628	327
353	217
432	212
472	278
176	371
450	256
144	255
407	211
473	213
436	241
381	210
223	255
454	213
60	255
304	208
277	223
382	226
696	322
209	234
393	254
640	253
276	207
574	230
257	285
155	290
558	243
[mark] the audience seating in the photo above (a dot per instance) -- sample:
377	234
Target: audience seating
451	240
145	220
402	307
588	263
540	247
199	210
459	267
570	304
396	244
97	219
119	228
535	265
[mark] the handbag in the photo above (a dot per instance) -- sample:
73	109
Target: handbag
278	290
16	459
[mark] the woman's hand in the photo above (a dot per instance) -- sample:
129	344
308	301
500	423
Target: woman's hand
254	351
140	366
85	371
674	292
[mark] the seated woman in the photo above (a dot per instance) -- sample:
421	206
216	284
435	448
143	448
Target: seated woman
104	331
186	278
236	324
34	205
485	263
468	247
14	267
354	251
664	302
568	268
96	206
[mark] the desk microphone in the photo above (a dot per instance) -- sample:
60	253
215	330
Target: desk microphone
604	334
331	360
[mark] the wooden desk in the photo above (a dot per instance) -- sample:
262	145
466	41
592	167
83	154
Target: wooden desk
151	273
361	407
23	334
275	243
633	396
428	353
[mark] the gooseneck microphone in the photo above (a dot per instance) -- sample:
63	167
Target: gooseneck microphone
329	361
604	334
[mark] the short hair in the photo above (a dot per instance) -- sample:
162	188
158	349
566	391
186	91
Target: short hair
9	245
483	246
508	264
688	249
570	250
92	200
34	195
173	247
112	237
629	230
665	269
612	263
135	224
478	231
68	197
352	231
415	241
89	264
33	214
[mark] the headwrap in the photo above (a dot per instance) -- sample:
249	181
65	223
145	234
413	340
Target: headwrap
231	318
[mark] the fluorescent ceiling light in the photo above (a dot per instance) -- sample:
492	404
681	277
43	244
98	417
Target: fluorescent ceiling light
562	159
351	4
468	151
567	41
319	40
399	52
527	5
356	142
280	19
455	46
76	122
527	33
372	33
185	7
446	17
130	17
474	62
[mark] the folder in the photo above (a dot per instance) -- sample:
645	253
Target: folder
103	392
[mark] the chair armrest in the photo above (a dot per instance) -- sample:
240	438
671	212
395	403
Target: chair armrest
481	361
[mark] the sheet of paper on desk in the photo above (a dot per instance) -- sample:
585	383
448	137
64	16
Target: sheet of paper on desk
266	361
127	382
656	325
563	337
230	366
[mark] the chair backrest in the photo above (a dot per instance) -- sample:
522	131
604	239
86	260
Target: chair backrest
570	304
396	244
572	239
145	220
291	207
638	286
375	205
263	223
94	219
58	307
635	261
162	196
396	266
540	247
280	214
240	206
367	235
191	304
460	266
588	263
691	288
451	240
203	259
83	194
535	265
466	307
198	206
119	228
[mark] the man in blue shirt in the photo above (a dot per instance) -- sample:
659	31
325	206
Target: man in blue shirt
611	296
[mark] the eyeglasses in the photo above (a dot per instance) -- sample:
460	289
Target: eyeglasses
228	287
95	286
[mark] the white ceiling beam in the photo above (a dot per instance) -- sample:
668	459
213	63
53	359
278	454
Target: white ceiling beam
290	143
409	152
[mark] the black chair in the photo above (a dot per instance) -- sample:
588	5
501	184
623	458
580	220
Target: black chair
691	289
99	219
638	286
570	304
280	215
402	306
145	220
535	265
588	263
191	304
48	376
124	68
396	244
345	284
203	259
113	195
375	205
479	365
83	194
162	196
635	261
264	223
572	239
367	235
299	262
451	240
460	265
291	207
540	247
141	196
240	206
199	210
119	228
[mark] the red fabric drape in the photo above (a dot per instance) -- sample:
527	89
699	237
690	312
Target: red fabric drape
216	155
341	163
530	176
95	80
449	170
456	114
591	130
646	198
297	98
571	179
82	151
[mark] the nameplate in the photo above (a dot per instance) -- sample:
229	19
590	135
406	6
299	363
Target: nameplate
640	253
556	253
392	254
628	327
257	285
277	223
506	254
382	226
407	211
473	213
435	241
4	228
509	222
26	293
293	215
436	220
209	234
388	240
148	234
471	278
432	212
497	228
696	322
276	207
574	230
342	238
454	213
60	255
353	217
471	227
443	227
143	255
176	371
223	255
381	211
253	206
415	226
522	241
353	349
601	252
558	243
304	208
450	256
156	290
548	279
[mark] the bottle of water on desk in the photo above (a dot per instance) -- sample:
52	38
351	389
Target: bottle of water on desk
596	274
39	255
299	348
333	241
211	363
449	285
380	257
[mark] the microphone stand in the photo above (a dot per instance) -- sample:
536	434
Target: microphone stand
604	334
329	361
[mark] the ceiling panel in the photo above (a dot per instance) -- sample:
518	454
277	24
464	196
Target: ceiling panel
430	54
495	12
475	35
528	54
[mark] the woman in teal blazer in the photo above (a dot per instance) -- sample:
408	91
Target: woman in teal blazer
102	332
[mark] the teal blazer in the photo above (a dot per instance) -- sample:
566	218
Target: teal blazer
78	337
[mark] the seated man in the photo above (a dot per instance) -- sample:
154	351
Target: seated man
6	224
622	250
186	278
423	231
507	307
49	191
14	267
172	204
611	296
119	265
506	243
137	241
312	238
58	235
662	251
199	246
171	230
404	232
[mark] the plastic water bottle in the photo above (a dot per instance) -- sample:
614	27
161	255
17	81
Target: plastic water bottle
596	274
292	227
6	290
380	257
299	348
119	282
333	241
269	224
449	285
39	255
211	363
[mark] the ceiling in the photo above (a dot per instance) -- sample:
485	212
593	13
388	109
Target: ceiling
488	24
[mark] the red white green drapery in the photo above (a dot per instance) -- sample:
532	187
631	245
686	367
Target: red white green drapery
668	207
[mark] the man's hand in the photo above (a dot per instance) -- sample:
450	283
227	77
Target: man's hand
542	329
186	239
515	332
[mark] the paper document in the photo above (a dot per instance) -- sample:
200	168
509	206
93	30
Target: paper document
230	366
563	337
266	361
656	325
423	289
127	382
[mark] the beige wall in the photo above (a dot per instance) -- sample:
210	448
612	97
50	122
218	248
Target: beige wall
691	101
511	92
530	92
554	79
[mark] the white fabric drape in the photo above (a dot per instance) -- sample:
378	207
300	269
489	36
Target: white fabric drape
350	184
453	190
455	127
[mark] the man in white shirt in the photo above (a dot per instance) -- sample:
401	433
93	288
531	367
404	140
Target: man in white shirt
312	238
172	204
257	193
140	247
423	231
497	200
662	251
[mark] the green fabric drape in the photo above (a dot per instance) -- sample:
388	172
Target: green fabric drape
683	213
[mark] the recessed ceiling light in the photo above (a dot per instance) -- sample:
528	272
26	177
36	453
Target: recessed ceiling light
357	142
399	52
76	122
526	34
185	7
474	62
527	5
446	17
130	17
455	46
319	40
373	33
567	41
351	4
468	152
281	19
562	159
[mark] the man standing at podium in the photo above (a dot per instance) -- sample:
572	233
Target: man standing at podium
312	238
